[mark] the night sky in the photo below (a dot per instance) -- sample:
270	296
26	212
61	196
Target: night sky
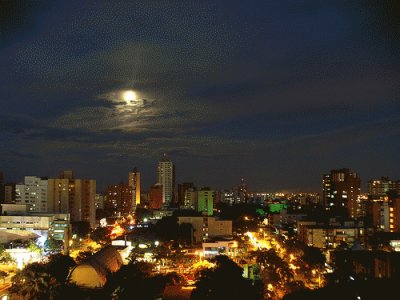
278	92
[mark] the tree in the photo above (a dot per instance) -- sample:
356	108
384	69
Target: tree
33	282
53	245
3	275
101	235
225	281
59	266
83	255
81	229
32	247
313	257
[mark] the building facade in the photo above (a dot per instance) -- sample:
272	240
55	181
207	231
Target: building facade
205	201
134	183
341	190
119	199
33	193
74	196
166	177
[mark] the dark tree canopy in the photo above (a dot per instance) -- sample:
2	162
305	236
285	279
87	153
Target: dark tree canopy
225	281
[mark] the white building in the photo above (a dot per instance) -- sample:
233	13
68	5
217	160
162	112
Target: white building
166	177
33	192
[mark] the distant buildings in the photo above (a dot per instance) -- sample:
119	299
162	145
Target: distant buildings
166	178
341	189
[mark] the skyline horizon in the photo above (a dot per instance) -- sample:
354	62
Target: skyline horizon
147	184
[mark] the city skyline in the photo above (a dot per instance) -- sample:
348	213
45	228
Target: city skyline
277	93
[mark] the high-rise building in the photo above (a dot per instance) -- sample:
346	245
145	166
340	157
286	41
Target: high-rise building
134	183
378	188
119	199
166	177
341	189
205	201
33	192
74	196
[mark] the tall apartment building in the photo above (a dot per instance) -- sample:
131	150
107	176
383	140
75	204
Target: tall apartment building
378	188
119	199
166	177
74	196
341	189
134	183
33	192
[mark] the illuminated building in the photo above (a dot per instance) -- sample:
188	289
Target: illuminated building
386	214
119	199
205	201
341	190
212	249
166	177
134	183
19	222
33	192
74	196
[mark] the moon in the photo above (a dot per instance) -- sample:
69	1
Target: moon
129	97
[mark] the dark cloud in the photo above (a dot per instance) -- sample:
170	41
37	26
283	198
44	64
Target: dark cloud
274	91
